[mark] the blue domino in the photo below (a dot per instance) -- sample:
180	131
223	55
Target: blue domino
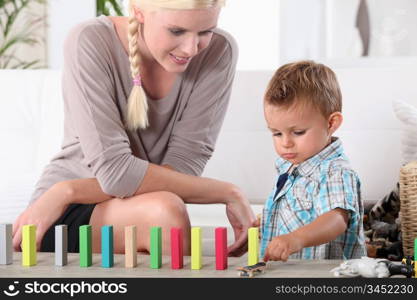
107	246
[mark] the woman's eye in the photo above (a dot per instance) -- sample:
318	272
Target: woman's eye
299	132
206	32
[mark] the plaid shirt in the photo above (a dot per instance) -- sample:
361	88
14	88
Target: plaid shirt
316	186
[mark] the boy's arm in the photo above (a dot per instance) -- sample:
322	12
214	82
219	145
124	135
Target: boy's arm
322	230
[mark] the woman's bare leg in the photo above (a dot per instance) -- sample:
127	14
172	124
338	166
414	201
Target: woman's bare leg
162	209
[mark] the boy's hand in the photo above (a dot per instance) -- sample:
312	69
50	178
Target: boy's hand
281	247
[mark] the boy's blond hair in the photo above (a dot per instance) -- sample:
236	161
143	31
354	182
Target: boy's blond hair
305	81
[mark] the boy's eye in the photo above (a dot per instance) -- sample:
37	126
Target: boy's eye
277	134
176	31
301	132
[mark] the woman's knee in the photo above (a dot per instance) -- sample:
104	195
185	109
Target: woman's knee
156	208
167	208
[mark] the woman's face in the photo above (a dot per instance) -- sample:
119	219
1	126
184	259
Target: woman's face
174	37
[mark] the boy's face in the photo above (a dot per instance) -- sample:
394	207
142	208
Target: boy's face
300	131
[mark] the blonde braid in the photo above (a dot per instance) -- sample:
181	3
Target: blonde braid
137	106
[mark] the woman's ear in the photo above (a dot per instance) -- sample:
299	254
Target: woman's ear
138	14
334	121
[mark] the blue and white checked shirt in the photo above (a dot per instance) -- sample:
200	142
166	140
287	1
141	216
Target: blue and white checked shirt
316	186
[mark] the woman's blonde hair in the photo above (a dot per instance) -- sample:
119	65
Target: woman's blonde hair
137	107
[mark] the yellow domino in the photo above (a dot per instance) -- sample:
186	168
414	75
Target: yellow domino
253	246
196	245
29	245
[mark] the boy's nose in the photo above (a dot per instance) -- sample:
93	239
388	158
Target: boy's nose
287	142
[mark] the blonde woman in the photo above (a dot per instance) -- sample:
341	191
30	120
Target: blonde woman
145	97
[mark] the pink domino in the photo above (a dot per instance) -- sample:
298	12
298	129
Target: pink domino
221	248
176	248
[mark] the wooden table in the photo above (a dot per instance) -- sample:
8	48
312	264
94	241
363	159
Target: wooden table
46	268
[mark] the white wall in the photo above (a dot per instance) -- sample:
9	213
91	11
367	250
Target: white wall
342	38
326	29
255	26
63	15
302	30
393	27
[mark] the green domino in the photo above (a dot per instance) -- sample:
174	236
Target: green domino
86	257
156	247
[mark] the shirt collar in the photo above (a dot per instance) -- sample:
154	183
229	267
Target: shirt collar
334	149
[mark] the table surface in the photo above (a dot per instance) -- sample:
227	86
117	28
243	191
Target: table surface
46	268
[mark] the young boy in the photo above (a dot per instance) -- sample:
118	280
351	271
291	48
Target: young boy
315	210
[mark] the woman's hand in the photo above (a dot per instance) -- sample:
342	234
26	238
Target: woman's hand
42	213
241	217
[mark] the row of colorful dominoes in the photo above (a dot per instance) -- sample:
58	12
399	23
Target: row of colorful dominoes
85	246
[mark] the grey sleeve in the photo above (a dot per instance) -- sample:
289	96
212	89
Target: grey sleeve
194	135
90	105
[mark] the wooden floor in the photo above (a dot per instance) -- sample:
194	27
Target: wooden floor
46	268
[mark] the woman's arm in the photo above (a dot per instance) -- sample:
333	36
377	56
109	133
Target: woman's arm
324	229
191	189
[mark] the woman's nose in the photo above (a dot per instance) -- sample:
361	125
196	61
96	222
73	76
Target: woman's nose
190	46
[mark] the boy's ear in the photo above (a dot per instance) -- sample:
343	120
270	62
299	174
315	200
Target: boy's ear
334	122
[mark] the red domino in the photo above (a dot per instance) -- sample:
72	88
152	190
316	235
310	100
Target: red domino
176	248
221	248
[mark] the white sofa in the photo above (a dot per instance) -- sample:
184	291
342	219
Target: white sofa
31	131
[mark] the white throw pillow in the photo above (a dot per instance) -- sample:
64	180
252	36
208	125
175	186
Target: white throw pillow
407	114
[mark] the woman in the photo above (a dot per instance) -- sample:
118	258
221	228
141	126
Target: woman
144	99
